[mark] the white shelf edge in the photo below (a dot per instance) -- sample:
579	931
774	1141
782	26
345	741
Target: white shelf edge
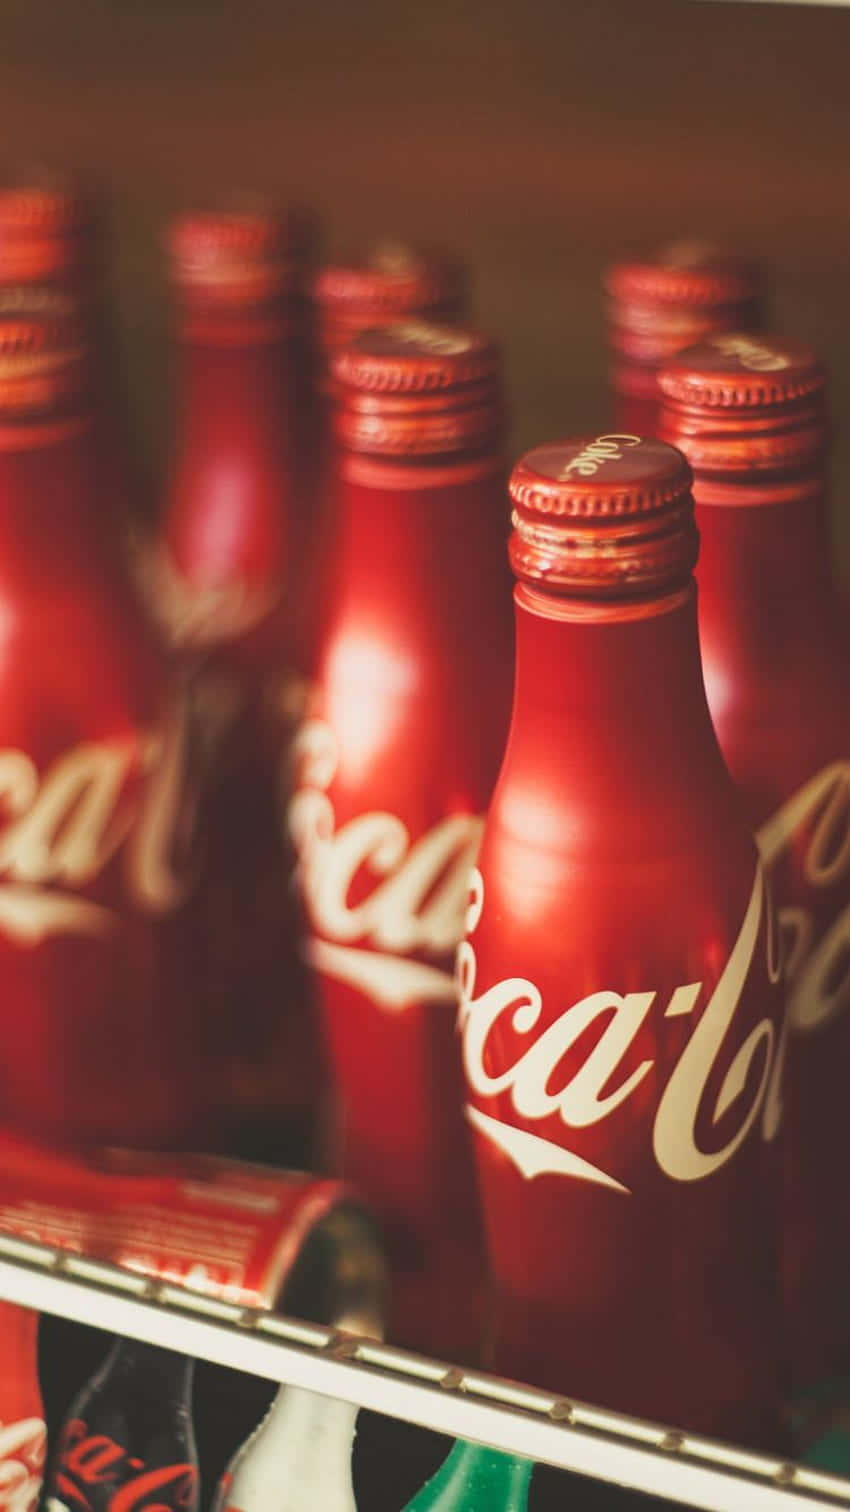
466	1404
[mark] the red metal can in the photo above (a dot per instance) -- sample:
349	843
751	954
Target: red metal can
390	786
621	1012
750	413
656	306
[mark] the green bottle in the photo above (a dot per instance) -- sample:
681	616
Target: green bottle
474	1479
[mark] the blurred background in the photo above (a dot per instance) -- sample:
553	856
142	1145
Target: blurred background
539	139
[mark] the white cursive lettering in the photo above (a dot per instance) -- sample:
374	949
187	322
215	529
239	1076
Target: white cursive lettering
598	1088
817	967
416	904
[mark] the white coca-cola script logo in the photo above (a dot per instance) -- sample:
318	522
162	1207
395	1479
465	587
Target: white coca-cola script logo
604	449
817	969
594	1093
22	1447
750	352
416	906
195	614
60	827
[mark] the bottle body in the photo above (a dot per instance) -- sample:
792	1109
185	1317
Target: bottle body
750	414
299	1457
97	844
22	1427
778	685
386	818
622	1032
128	1439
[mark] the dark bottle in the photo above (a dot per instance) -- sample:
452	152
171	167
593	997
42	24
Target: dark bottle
127	1441
219	582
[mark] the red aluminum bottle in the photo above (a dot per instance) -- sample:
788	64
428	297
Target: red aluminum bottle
218	583
620	1008
127	1441
22	1429
96	835
750	414
657	306
394	768
392	281
54	251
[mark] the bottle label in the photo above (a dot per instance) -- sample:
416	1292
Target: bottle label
22	1450
415	904
61	826
94	1473
200	614
599	1087
809	838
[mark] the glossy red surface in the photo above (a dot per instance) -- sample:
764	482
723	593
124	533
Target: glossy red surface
22	1429
96	849
621	1020
778	686
395	768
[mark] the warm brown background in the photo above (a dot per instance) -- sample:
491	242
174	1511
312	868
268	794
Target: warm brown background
540	137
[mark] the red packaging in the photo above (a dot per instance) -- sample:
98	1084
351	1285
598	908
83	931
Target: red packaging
750	414
391	785
620	1006
658	305
238	1232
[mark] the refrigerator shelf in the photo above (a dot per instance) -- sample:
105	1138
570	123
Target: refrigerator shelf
464	1403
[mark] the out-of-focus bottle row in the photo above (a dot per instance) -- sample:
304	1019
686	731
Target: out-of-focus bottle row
247	749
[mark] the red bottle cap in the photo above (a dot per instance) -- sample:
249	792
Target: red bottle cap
417	389
686	274
238	263
744	404
42	367
607	516
48	231
658	306
391	281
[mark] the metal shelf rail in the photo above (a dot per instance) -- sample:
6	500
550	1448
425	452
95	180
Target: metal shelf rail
464	1403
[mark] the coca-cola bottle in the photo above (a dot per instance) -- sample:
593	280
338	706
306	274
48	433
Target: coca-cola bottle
658	305
394	768
472	1478
750	415
298	1459
22	1429
621	1013
127	1440
96	852
391	281
54	261
218	582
